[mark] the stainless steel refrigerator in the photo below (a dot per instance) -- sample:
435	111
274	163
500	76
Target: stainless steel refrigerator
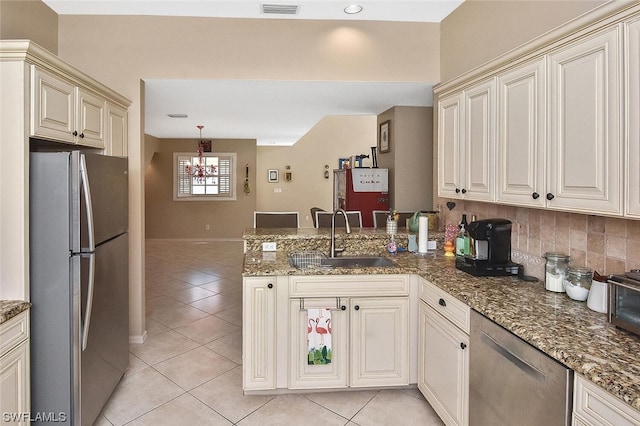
79	283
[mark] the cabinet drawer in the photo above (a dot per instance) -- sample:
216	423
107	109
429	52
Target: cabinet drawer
446	305
348	285
14	331
593	405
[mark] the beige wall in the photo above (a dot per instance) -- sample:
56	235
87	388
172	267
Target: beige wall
475	33
33	20
410	157
166	218
479	30
332	138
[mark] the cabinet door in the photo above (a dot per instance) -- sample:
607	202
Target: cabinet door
585	132
632	57
90	124
116	143
443	366
379	341
319	335
258	333
521	137
52	107
450	147
479	138
14	385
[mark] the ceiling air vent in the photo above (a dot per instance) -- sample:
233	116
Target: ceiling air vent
280	9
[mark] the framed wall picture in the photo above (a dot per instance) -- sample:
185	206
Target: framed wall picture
273	175
384	138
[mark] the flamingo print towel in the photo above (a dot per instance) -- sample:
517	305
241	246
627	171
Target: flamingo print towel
319	335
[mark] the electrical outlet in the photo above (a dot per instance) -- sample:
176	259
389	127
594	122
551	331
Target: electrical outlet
268	246
207	227
277	189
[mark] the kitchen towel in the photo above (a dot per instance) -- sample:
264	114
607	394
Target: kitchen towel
319	336
423	233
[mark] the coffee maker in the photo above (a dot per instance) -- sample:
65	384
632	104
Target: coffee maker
490	249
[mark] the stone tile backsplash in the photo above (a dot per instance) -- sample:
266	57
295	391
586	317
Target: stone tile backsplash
605	244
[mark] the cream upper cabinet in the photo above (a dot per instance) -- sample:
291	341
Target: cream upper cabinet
466	143
64	112
90	119
479	136
53	103
450	146
585	142
259	333
521	135
632	82
116	141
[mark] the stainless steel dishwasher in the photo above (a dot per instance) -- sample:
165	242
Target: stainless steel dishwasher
513	383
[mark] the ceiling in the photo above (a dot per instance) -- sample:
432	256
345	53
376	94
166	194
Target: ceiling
373	10
275	113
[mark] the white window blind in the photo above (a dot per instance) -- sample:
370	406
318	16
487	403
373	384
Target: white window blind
218	184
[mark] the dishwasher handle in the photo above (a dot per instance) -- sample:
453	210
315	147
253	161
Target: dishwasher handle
513	358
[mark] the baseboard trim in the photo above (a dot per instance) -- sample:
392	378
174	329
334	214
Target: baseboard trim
138	339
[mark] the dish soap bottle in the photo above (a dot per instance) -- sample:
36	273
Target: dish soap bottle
392	247
463	239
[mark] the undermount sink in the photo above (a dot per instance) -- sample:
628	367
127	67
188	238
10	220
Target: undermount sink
311	259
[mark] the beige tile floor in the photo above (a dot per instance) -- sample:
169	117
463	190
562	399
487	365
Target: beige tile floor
188	372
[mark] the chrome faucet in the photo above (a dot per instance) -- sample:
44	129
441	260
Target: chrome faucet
334	250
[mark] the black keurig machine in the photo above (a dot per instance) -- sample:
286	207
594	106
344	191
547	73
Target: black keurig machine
490	249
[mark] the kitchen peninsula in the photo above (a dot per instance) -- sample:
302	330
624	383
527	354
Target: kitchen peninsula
566	330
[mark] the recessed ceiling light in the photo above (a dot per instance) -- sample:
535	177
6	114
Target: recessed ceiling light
178	115
353	9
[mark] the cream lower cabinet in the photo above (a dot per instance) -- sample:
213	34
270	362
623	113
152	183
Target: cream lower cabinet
593	406
366	344
443	354
259	333
14	370
349	331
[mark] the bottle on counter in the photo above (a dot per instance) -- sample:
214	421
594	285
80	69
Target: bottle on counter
392	247
555	271
463	240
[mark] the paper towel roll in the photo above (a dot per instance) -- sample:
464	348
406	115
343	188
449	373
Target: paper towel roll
423	234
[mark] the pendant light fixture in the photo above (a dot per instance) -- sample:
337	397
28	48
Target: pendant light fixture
200	170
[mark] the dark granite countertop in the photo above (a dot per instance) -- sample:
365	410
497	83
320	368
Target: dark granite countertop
11	308
563	328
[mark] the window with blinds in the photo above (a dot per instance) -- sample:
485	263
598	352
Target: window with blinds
217	183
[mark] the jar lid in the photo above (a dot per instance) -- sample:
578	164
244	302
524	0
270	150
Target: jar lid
555	255
579	271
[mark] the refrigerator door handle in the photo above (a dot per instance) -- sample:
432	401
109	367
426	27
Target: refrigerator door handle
87	202
87	312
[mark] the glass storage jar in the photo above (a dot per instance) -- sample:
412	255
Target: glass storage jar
556	271
578	283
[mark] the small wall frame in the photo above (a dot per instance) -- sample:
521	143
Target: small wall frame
384	137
